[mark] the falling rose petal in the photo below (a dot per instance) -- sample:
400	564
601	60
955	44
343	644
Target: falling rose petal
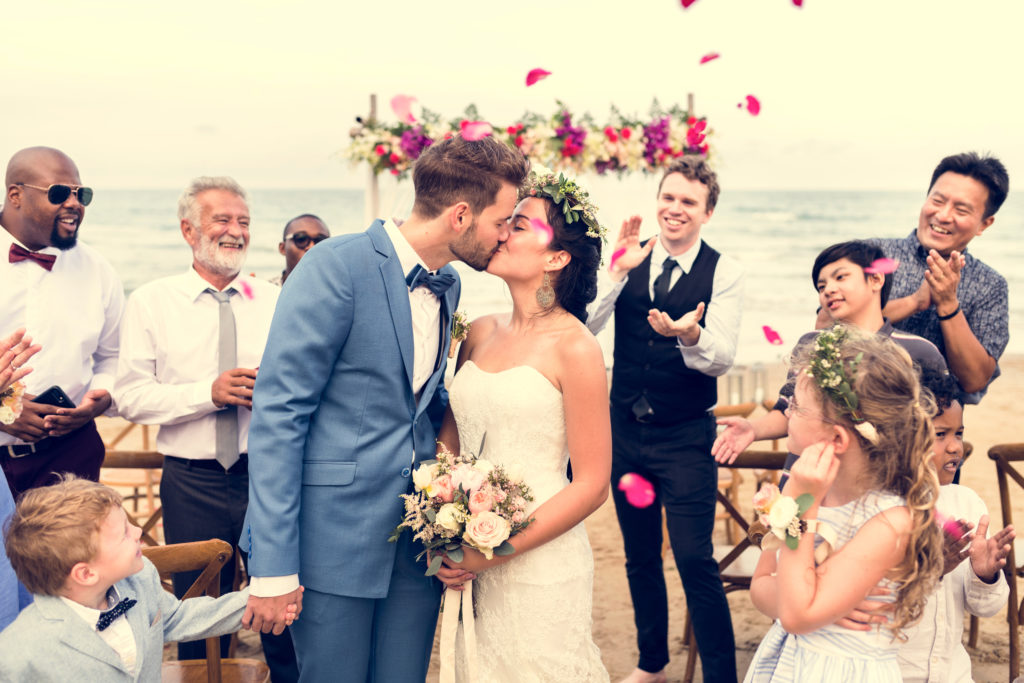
753	105
615	257
476	130
687	3
536	75
951	526
771	335
402	105
709	57
798	3
544	232
883	266
246	290
639	492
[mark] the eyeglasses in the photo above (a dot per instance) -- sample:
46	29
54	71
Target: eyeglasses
58	194
793	408
301	240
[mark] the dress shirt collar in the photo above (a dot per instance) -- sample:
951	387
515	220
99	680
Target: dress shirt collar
194	284
684	260
92	616
7	239
407	256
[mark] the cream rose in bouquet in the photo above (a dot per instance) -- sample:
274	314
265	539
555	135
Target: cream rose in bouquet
11	403
463	500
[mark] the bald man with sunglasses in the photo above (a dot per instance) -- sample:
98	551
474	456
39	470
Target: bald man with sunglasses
72	300
300	234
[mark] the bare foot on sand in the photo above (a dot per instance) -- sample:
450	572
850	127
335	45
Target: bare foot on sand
641	676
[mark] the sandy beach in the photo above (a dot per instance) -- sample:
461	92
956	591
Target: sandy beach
991	423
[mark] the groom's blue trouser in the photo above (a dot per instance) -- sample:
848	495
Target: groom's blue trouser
365	640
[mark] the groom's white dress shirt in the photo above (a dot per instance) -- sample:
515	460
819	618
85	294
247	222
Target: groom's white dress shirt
426	336
169	358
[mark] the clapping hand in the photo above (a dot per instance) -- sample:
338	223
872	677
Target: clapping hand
632	253
15	350
988	555
943	278
955	545
687	327
734	439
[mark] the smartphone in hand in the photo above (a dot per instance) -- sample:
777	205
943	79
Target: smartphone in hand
54	396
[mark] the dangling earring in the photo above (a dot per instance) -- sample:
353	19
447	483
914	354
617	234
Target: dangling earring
546	293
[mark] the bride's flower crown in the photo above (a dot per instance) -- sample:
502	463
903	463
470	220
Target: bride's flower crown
567	194
836	380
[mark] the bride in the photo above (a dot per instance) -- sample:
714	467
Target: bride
531	392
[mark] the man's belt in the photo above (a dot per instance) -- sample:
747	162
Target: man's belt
21	450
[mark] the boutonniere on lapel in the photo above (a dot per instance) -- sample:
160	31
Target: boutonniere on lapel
460	330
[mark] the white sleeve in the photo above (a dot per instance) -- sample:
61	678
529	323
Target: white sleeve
607	294
272	586
715	350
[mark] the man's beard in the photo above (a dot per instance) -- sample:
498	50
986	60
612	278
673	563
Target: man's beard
468	250
63	243
226	264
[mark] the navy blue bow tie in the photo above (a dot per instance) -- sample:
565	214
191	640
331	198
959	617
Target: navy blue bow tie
421	277
108	617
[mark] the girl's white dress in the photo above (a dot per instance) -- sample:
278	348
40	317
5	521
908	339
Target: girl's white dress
533	613
833	653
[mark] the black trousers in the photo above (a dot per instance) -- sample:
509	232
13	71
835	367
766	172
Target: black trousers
200	504
677	460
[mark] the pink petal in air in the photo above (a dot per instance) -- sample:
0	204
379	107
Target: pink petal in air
615	257
753	105
639	492
798	3
544	232
476	130
708	57
402	106
247	290
883	266
536	75
950	526
687	3
771	335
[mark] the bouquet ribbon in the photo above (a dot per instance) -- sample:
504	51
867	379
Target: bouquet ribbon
454	602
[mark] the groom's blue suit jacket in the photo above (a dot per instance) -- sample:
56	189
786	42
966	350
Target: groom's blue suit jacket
336	428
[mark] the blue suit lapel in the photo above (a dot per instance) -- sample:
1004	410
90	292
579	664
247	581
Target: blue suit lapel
397	292
76	634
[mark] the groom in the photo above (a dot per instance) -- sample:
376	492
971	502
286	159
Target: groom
348	399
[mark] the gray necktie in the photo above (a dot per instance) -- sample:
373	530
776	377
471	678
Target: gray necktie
227	359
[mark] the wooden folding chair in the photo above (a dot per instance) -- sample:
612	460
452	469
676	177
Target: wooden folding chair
208	556
137	460
1007	456
736	562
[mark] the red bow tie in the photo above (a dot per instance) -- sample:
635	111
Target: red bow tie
19	253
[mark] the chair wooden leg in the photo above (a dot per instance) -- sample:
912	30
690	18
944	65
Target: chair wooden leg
972	634
690	638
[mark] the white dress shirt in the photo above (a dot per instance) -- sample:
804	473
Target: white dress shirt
169	358
934	650
426	338
73	311
715	350
118	635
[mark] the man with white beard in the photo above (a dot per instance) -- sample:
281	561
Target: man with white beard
190	347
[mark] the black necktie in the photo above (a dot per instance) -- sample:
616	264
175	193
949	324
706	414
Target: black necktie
661	283
421	277
107	618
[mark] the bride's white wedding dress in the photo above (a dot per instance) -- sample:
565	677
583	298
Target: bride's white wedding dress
533	613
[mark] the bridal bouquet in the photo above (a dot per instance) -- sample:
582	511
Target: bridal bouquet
10	403
463	500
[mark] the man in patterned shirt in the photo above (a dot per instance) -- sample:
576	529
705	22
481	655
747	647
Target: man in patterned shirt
942	293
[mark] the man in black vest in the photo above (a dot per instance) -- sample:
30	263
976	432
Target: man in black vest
668	354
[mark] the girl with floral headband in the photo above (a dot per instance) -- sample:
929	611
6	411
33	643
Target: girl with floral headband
857	515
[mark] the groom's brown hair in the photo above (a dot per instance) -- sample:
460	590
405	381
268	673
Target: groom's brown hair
459	170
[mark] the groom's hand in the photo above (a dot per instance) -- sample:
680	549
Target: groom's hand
270	614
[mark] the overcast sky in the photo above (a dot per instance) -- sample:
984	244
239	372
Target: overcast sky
857	94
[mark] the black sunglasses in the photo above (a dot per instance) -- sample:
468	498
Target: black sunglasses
58	194
302	240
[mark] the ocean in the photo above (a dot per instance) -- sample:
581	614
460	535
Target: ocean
775	235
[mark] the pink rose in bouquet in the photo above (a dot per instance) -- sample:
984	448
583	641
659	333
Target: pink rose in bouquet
486	531
481	500
442	488
468	478
763	501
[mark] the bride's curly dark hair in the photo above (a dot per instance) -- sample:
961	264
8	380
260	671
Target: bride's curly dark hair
575	285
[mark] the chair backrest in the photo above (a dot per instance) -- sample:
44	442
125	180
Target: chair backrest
738	410
1008	457
754	460
207	556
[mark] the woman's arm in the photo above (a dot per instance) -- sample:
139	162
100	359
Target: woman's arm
763	586
588	429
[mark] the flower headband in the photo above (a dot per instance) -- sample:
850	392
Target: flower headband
828	371
566	193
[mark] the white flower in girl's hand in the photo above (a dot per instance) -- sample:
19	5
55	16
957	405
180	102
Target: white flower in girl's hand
783	510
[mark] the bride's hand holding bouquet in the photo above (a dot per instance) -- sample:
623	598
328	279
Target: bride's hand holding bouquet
464	507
